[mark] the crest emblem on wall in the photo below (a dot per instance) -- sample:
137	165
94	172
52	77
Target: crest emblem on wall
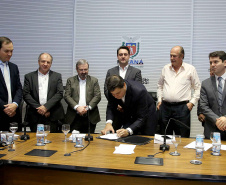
133	43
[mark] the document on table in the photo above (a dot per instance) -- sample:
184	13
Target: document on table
110	136
159	139
192	146
124	149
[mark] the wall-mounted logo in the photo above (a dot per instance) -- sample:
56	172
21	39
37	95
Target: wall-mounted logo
133	43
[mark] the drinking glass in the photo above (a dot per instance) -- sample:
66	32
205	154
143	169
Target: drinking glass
65	130
211	138
13	128
46	131
176	139
9	141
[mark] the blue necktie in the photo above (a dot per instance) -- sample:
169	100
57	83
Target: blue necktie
220	92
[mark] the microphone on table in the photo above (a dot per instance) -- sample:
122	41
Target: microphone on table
25	136
88	137
164	146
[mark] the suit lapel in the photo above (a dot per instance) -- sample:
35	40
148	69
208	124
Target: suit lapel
77	86
49	83
35	81
116	71
214	86
224	93
128	72
2	80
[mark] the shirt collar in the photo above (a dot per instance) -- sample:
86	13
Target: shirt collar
182	66
223	76
2	63
39	73
125	68
80	80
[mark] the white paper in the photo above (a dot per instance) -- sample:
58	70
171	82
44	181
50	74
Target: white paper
109	136
124	149
159	139
77	135
191	145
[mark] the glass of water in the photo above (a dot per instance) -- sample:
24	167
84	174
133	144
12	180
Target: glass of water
46	131
13	128
9	141
65	130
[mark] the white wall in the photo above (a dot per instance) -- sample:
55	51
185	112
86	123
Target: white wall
93	30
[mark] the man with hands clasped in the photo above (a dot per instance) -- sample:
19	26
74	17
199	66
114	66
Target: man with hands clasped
212	96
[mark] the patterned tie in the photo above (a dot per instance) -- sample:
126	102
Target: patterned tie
220	92
7	82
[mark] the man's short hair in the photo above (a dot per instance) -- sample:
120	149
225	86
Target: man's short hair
220	54
4	40
114	81
39	57
123	47
81	62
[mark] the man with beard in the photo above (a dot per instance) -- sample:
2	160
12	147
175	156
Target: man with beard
82	93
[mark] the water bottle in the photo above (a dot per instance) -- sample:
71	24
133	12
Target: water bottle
199	146
216	144
40	134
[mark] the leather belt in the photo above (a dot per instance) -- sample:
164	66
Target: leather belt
175	103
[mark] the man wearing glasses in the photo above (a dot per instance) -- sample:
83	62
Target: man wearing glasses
82	93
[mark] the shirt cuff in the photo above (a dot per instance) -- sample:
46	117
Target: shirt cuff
130	131
75	107
109	121
15	103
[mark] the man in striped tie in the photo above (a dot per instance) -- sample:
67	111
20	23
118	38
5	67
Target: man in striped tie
10	86
212	96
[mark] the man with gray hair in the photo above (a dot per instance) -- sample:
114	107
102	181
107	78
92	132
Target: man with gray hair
82	93
43	91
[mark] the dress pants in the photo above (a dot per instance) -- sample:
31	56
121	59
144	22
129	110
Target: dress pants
81	124
178	112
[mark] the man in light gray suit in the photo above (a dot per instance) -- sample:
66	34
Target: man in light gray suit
43	91
82	93
212	96
127	72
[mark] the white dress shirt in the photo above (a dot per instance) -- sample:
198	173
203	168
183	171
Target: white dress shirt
43	82
177	87
122	72
82	94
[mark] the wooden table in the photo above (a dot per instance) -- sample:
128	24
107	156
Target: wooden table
98	165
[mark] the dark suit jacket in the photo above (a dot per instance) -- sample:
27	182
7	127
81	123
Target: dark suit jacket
16	90
209	106
139	109
93	97
132	73
54	96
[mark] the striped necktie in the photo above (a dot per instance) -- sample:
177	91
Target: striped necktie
220	92
7	82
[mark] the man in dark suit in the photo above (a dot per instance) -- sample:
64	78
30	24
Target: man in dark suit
43	91
127	72
212	96
10	88
82	95
139	116
123	69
